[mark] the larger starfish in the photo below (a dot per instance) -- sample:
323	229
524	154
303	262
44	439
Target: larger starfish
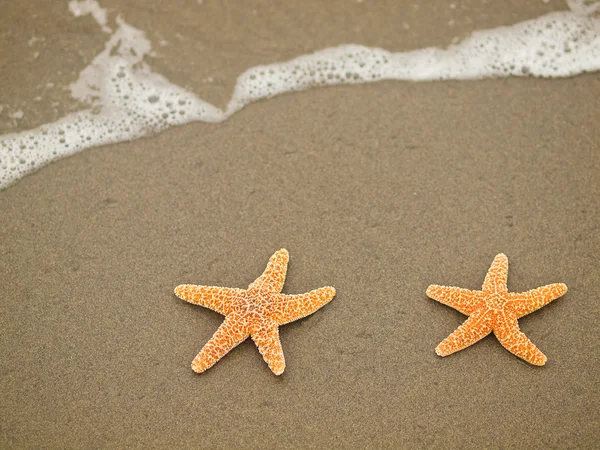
257	312
494	309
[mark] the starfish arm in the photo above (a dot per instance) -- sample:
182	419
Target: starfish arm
497	276
219	299
273	277
514	340
228	335
269	346
463	300
471	331
288	308
527	302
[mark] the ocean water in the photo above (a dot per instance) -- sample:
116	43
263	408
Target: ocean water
127	100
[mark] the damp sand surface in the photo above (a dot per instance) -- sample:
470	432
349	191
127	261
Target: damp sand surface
378	190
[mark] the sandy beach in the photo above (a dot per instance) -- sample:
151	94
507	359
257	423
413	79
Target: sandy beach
378	190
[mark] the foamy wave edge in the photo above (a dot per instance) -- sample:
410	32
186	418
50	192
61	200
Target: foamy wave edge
127	100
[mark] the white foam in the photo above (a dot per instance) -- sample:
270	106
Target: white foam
84	7
127	100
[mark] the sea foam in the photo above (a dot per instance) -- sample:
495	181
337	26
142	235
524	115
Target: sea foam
128	100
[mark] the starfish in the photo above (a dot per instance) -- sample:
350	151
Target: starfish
257	312
494	309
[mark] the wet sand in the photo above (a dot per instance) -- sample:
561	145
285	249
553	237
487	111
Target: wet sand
378	190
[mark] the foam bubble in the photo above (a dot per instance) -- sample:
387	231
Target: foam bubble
127	100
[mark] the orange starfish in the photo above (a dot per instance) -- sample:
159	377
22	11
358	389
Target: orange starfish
257	312
495	309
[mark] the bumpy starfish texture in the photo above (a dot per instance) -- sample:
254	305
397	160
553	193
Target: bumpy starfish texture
494	309
256	312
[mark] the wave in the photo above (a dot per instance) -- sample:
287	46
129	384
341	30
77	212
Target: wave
127	100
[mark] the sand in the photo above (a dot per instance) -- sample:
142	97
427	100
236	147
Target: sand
378	190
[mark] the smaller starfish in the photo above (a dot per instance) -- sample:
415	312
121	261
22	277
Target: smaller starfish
256	312
494	309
